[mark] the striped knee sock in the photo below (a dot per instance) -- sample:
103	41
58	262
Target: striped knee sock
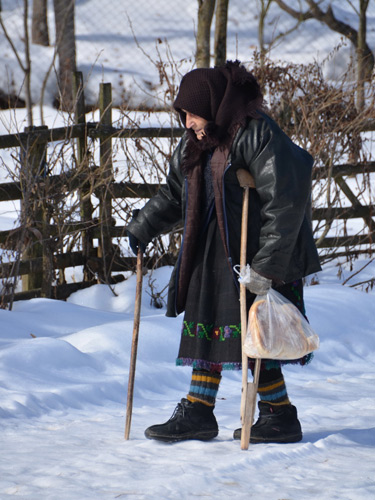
204	386
271	388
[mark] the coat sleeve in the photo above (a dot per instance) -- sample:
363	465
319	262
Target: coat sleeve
282	173
163	211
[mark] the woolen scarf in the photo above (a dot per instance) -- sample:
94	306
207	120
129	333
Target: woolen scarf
225	96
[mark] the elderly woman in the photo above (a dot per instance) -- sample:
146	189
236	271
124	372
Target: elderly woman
226	130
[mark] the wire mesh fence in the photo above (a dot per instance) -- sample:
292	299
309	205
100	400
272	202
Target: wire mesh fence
125	42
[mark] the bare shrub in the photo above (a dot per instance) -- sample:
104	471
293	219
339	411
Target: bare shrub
321	117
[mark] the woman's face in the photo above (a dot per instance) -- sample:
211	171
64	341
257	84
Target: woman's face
196	123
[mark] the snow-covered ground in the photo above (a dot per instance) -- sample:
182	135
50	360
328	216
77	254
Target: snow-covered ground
63	384
64	365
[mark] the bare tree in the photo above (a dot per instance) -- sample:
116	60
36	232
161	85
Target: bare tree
264	7
205	14
66	50
220	43
206	10
365	56
24	65
39	26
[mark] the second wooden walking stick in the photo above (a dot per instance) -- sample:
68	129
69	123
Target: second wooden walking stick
249	389
133	356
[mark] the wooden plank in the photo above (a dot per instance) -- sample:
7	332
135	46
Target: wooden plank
60	261
76	259
133	190
343	212
347	241
345	169
102	131
354	200
42	136
84	191
67	181
10	236
60	292
120	232
10	191
91	129
34	211
106	171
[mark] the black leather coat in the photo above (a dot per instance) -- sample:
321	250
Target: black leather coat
280	241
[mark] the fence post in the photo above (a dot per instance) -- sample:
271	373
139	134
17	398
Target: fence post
106	171
84	193
34	210
353	200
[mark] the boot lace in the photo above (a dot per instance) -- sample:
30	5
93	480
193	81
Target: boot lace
180	409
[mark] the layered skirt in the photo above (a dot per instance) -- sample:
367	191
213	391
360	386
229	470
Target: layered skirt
211	330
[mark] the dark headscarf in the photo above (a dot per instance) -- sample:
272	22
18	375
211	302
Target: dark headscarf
224	96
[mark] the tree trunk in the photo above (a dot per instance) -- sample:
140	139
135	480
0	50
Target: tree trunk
220	45
27	66
334	24
264	7
66	50
205	13
39	26
362	60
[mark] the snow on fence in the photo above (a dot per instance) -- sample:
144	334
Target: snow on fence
37	245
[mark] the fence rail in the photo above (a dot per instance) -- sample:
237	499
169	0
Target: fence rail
100	263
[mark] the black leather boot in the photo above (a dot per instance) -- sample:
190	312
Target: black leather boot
189	421
275	424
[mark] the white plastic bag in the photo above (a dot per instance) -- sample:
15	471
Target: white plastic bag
243	274
277	330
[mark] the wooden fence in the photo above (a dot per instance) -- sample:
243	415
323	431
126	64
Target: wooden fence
38	261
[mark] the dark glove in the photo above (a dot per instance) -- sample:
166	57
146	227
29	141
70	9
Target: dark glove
259	285
134	242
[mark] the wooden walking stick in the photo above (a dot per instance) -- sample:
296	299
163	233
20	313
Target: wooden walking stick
133	356
249	389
